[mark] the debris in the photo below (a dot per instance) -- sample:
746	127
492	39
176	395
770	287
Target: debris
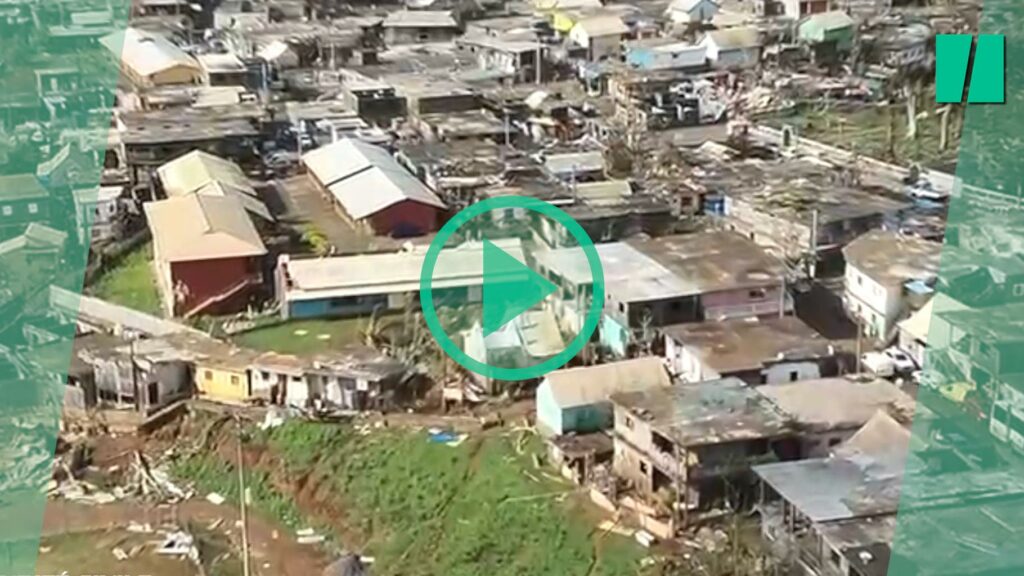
137	528
645	538
179	543
215	499
609	526
120	554
273	419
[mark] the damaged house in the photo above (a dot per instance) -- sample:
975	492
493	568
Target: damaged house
689	447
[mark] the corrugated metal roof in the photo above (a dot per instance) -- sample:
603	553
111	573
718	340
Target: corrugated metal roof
147	54
390	273
201	173
198	227
365	179
604	25
734	38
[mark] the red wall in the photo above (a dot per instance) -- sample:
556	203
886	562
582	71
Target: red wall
407	218
208	278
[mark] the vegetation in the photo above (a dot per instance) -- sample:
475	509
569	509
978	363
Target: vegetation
131	283
90	553
866	130
474	509
304	336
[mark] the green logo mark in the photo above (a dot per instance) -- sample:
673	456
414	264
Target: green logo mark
510	287
953	59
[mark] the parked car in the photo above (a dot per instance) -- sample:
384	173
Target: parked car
927	379
878	363
901	361
924	190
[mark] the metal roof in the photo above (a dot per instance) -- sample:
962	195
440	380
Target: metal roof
200	227
585	385
147	54
364	178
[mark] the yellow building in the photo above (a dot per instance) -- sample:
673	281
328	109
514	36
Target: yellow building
223	375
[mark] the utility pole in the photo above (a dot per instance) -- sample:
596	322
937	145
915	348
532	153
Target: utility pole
242	504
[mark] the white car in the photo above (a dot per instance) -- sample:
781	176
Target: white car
923	190
878	364
902	363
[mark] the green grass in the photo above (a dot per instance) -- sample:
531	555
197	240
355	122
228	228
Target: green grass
471	510
131	283
210	474
304	336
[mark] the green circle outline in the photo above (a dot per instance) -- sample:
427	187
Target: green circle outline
590	323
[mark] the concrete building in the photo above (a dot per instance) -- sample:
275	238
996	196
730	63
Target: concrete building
733	47
354	285
835	27
23	200
693	444
223	70
601	35
888	276
692	12
97	213
665	54
576	400
372	190
768	351
207	253
798	9
151	60
852	402
419	27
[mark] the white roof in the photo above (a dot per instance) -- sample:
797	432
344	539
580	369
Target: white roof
919	323
565	163
147	54
585	385
364	178
390	273
734	38
603	25
629	275
221	63
420	19
199	172
200	227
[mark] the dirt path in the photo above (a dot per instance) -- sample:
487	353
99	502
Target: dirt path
274	549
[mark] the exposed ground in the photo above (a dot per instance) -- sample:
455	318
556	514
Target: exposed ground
131	282
420	508
865	130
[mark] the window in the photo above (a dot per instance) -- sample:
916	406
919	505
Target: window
234	380
8	210
860	280
757	294
794	375
833	442
33	208
265	375
629	422
207	375
643	467
834	556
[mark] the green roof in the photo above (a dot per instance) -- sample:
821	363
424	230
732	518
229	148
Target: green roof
21	187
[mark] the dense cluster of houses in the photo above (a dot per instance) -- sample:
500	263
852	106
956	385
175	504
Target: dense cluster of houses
770	300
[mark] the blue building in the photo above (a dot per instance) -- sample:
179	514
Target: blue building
575	400
361	284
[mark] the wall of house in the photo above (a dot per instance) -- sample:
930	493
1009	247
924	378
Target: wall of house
615	336
16	215
405	219
549	414
790	372
206	279
878	306
686	363
761	301
738	58
222	384
175	75
394	36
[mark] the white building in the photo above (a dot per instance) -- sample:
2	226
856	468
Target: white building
600	35
887	277
96	213
733	48
692	11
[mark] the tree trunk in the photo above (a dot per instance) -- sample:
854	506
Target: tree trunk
910	93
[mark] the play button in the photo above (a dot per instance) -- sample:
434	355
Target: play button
510	288
490	306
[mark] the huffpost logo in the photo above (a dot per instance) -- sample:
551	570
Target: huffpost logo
953	62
